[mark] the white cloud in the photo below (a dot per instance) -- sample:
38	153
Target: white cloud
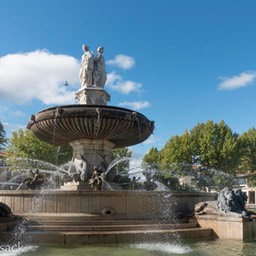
113	77
116	83
122	61
152	140
38	75
137	105
238	81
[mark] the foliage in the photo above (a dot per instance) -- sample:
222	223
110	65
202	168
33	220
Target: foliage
209	153
176	156
177	150
248	150
218	150
171	182
216	145
151	159
121	153
247	162
24	144
3	140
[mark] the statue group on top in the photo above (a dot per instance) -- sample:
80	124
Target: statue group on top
92	70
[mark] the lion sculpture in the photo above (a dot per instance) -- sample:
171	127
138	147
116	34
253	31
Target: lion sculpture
230	202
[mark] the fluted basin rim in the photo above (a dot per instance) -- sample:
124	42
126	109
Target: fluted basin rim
61	125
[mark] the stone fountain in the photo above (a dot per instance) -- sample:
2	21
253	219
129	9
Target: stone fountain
78	214
91	127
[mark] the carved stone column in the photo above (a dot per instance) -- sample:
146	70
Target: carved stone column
94	152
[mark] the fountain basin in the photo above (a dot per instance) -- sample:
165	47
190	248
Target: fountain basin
115	204
75	217
64	124
228	227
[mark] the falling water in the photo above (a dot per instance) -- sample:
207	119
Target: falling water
106	185
19	186
163	248
15	179
43	167
34	163
161	186
115	162
19	242
4	175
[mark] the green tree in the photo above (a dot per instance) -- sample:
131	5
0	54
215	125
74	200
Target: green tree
177	150
3	140
216	147
150	161
150	165
177	155
247	164
248	151
24	144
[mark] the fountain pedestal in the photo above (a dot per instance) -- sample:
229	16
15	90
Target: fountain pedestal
92	153
92	96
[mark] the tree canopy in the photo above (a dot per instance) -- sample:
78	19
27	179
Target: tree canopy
247	163
24	144
248	151
210	152
216	145
151	159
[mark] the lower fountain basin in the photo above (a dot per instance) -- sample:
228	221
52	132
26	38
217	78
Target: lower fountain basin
64	124
115	204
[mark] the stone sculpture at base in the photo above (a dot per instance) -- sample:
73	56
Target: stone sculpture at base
5	210
97	178
230	202
36	182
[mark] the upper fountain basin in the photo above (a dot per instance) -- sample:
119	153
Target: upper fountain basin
63	124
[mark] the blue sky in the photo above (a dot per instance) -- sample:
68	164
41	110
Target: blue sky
179	62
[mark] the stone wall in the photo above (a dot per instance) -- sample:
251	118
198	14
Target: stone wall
228	227
119	204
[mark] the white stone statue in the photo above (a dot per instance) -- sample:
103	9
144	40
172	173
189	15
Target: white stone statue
99	72
86	68
78	168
